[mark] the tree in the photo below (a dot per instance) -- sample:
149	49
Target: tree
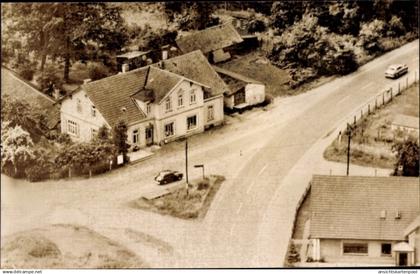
120	139
65	30
103	134
407	158
190	15
285	13
16	149
370	33
19	112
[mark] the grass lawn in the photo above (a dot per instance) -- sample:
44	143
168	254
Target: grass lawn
65	246
373	138
178	204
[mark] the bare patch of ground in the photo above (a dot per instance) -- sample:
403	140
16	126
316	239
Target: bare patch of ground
182	205
65	246
372	141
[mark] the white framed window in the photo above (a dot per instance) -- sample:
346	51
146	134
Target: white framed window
79	105
148	108
180	99
192	97
136	136
210	113
93	111
355	248
93	133
191	122
168	104
169	129
72	128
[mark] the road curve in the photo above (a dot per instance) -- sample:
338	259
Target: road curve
236	215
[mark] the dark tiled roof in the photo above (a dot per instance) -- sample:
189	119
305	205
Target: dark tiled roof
194	66
161	82
406	121
111	94
349	207
16	87
210	39
234	80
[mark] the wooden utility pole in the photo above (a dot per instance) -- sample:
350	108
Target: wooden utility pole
186	164
348	147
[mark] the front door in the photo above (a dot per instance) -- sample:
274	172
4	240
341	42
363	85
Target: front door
403	259
149	135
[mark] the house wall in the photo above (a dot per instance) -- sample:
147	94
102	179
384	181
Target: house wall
218	113
332	251
414	241
229	101
83	118
254	94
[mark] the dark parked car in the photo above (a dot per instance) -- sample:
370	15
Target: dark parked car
168	176
395	71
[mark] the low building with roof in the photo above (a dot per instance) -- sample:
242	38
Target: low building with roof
214	42
406	123
243	91
158	106
364	220
133	59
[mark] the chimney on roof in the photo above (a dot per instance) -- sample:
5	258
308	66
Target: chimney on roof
164	54
161	65
383	214
125	68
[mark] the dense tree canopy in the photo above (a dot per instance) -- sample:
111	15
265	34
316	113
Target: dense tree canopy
407	158
67	30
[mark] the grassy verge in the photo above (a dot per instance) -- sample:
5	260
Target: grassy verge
373	138
179	204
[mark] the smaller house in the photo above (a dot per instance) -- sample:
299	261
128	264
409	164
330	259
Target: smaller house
364	220
406	123
132	60
215	42
243	91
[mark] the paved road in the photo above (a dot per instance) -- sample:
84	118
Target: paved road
233	226
257	156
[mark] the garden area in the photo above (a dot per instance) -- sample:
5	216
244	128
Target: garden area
32	150
374	142
182	204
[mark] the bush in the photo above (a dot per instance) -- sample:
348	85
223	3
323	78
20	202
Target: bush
97	71
256	26
64	138
48	80
27	73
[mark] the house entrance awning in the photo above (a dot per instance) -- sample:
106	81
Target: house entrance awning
403	247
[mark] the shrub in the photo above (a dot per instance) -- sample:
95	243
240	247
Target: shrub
27	73
256	26
41	168
64	138
97	71
48	80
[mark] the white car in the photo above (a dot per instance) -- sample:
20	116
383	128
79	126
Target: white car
395	71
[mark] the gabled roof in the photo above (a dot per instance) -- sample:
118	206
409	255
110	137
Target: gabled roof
235	81
210	39
406	121
412	226
15	86
194	66
112	94
349	207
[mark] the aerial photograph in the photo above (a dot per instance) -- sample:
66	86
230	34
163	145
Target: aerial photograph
210	135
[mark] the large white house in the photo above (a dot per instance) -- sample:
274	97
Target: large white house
157	105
